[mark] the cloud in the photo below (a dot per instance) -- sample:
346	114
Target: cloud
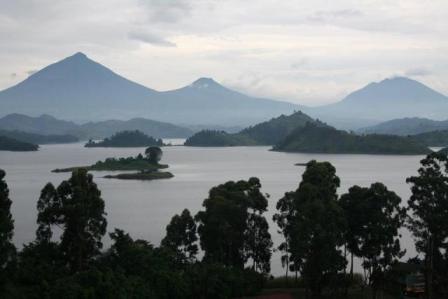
418	72
150	38
166	11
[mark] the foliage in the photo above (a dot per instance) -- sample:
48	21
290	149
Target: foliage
154	154
11	144
314	225
374	217
218	138
232	229
320	139
428	223
181	236
77	207
7	249
433	138
127	139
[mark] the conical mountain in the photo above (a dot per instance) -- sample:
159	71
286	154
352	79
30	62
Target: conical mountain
80	89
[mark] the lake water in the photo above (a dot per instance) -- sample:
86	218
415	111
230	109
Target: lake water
144	208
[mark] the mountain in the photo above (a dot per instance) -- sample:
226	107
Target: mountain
325	139
38	138
44	124
49	125
80	89
11	144
406	126
397	97
265	133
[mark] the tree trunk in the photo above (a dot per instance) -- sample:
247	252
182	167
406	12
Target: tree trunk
429	269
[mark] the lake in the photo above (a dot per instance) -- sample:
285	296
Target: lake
144	208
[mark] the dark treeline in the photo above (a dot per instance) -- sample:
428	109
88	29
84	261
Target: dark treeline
323	232
127	139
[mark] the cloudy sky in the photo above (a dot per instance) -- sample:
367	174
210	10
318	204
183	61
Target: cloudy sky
308	52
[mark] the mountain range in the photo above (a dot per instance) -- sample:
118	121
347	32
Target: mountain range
406	126
80	89
397	97
49	125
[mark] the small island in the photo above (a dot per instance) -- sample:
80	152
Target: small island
127	139
319	139
13	145
148	166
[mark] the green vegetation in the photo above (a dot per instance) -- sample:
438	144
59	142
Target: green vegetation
127	139
10	144
218	138
318	139
275	130
38	138
147	166
142	176
266	133
434	138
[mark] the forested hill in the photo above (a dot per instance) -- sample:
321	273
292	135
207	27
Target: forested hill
10	144
434	138
315	139
265	133
273	131
38	138
127	139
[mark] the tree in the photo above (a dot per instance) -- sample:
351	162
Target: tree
232	229
7	249
75	206
181	236
429	207
374	217
315	225
154	154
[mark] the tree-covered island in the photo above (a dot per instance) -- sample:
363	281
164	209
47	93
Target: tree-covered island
147	165
127	139
14	145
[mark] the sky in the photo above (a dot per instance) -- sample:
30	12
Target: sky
307	52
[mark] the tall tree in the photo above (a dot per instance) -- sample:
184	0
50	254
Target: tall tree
7	249
181	236
315	226
429	207
232	229
374	217
75	206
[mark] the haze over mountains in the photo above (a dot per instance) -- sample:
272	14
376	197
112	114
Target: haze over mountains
406	126
81	90
49	125
397	97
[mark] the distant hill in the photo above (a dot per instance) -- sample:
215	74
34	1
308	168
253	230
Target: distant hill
44	124
406	126
38	138
49	125
444	151
315	139
434	138
127	139
149	127
80	89
265	133
393	98
10	144
218	138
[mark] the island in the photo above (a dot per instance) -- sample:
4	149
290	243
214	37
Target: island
325	139
127	139
266	133
147	166
14	145
433	138
444	151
